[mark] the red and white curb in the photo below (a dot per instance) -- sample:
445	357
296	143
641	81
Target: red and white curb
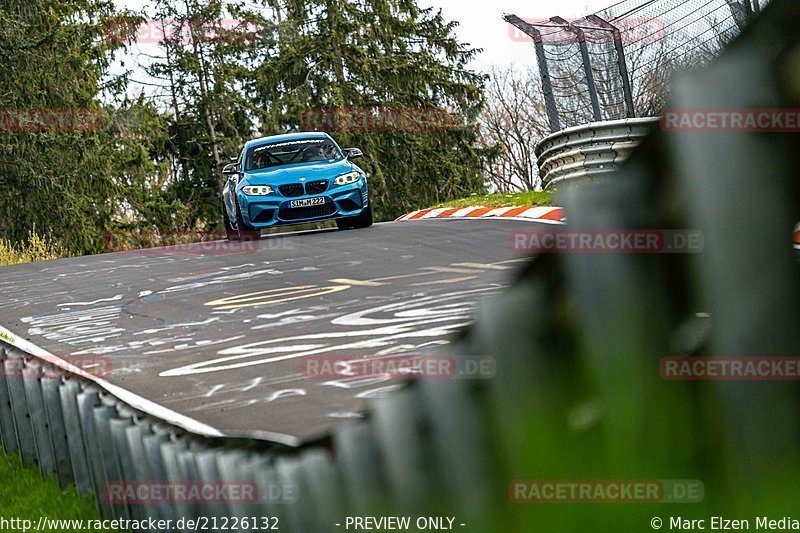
549	215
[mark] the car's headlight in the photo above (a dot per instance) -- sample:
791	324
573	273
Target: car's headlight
261	190
347	179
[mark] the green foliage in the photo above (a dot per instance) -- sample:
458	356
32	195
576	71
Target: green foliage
35	248
75	181
379	54
154	161
532	198
25	495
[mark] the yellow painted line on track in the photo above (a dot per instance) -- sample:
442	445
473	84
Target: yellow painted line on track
444	281
483	266
522	260
274	296
453	270
356	282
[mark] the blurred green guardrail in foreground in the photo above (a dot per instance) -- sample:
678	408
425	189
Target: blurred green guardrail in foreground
578	338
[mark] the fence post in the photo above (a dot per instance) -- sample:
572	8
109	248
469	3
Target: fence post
544	72
621	61
587	65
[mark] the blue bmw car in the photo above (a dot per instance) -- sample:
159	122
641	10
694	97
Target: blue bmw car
292	179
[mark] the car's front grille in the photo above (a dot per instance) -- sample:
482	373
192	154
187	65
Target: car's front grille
317	187
313	211
291	190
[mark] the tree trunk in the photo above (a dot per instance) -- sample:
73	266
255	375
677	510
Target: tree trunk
203	79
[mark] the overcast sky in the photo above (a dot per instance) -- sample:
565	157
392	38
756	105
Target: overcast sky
482	25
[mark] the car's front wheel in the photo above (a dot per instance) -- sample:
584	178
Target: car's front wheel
238	231
363	220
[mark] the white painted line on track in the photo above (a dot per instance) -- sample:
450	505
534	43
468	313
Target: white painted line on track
133	400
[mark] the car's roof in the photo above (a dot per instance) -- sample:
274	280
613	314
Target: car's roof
287	137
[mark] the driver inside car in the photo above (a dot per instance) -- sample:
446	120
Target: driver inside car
315	153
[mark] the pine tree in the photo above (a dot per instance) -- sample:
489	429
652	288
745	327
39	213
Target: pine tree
378	54
201	68
56	176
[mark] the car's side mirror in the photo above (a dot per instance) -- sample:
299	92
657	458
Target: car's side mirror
233	168
353	153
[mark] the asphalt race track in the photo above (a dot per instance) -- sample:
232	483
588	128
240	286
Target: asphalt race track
217	332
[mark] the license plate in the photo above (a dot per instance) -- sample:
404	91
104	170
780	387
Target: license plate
307	202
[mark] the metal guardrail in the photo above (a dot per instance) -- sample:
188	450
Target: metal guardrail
83	435
590	151
77	432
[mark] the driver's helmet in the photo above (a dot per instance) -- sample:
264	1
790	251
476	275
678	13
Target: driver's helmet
314	153
261	160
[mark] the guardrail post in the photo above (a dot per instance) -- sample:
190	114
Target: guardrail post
396	420
68	393
322	482
122	455
207	471
102	423
547	85
741	11
87	400
152	442
271	504
360	466
26	442
8	433
58	432
169	456
189	474
289	473
41	430
141	467
467	477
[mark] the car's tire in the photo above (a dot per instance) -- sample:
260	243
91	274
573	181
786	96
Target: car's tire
226	220
240	232
364	220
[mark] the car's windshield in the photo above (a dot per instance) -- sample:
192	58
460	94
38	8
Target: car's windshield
291	152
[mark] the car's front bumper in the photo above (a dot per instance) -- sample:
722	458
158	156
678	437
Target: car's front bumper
266	211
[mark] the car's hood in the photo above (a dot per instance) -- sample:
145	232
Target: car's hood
292	174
